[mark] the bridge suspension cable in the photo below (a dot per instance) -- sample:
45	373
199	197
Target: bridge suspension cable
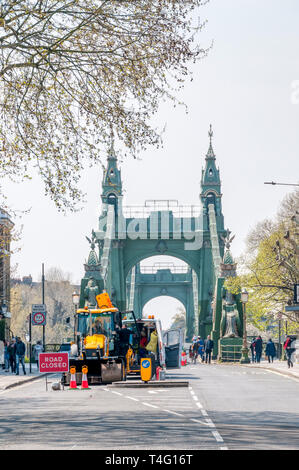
132	288
107	242
214	239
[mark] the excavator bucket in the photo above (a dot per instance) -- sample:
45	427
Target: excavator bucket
111	371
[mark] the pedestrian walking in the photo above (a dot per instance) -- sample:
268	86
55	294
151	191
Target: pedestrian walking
20	355
191	352
194	352
37	350
208	348
270	351
12	355
289	347
258	348
252	349
201	345
2	360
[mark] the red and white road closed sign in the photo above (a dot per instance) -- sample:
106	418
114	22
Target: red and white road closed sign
54	362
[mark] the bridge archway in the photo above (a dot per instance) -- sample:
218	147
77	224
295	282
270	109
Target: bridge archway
163	277
164	308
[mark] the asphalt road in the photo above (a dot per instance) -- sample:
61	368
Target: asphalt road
225	407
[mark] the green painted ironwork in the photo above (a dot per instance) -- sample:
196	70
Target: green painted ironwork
128	235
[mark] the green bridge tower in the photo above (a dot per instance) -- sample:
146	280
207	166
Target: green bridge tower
128	235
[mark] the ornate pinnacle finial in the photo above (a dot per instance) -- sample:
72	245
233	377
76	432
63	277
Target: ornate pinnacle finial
93	260
211	133
210	154
228	239
111	152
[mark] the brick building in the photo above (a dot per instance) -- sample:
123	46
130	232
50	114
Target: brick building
6	226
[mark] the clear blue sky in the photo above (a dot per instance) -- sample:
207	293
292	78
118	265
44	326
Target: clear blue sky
244	88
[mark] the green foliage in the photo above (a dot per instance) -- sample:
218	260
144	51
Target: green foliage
179	319
270	269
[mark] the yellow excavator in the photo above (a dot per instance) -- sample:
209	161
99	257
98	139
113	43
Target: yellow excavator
96	344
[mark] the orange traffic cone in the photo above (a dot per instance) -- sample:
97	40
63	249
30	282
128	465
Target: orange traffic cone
73	383
84	384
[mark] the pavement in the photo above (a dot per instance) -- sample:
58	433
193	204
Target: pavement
280	367
9	380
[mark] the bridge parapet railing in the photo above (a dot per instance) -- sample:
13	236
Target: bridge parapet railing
144	212
163	266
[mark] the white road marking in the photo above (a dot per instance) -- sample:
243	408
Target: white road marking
174	413
148	404
210	423
202	422
217	436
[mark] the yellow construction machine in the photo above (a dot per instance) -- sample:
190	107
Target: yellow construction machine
96	344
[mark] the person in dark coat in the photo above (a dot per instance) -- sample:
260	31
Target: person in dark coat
11	350
20	355
258	348
208	348
270	350
252	349
124	339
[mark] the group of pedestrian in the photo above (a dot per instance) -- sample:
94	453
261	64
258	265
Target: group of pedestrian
201	348
256	348
14	355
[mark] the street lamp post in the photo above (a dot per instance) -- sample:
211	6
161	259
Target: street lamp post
281	184
244	358
76	299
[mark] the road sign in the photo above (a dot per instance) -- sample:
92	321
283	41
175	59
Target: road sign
39	318
39	313
54	362
53	347
146	364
